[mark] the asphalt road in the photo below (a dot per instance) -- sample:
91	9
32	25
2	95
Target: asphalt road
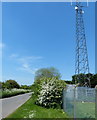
9	105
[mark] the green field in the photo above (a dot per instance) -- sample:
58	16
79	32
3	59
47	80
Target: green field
30	110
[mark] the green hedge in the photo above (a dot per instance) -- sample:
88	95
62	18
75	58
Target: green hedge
9	93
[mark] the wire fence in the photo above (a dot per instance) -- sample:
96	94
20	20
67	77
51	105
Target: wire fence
80	102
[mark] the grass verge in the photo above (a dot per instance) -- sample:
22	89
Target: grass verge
31	110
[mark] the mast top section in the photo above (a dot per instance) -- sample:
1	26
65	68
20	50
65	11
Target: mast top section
79	1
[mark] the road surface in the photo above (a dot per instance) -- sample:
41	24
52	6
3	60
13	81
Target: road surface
9	105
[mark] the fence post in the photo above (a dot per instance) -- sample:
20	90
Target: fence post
74	103
63	99
96	104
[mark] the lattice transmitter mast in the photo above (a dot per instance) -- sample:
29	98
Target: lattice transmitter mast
81	60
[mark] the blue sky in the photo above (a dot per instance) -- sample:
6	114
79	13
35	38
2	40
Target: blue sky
38	35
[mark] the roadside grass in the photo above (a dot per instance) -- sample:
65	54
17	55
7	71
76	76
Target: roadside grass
31	110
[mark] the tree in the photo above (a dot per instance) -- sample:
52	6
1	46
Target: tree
68	82
0	85
93	80
25	87
11	84
82	78
79	78
47	72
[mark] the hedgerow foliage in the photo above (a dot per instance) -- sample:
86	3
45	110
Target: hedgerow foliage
50	92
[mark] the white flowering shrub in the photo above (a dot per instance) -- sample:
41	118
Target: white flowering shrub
50	94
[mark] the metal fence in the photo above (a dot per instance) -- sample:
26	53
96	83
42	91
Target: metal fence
80	102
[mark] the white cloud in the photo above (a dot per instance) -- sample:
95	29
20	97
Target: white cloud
26	63
28	68
27	59
2	45
13	55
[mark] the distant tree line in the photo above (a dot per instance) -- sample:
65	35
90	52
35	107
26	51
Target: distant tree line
10	84
68	82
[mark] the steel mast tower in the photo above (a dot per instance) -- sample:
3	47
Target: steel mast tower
81	58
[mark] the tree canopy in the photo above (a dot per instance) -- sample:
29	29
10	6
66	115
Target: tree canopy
48	73
11	84
81	78
94	80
